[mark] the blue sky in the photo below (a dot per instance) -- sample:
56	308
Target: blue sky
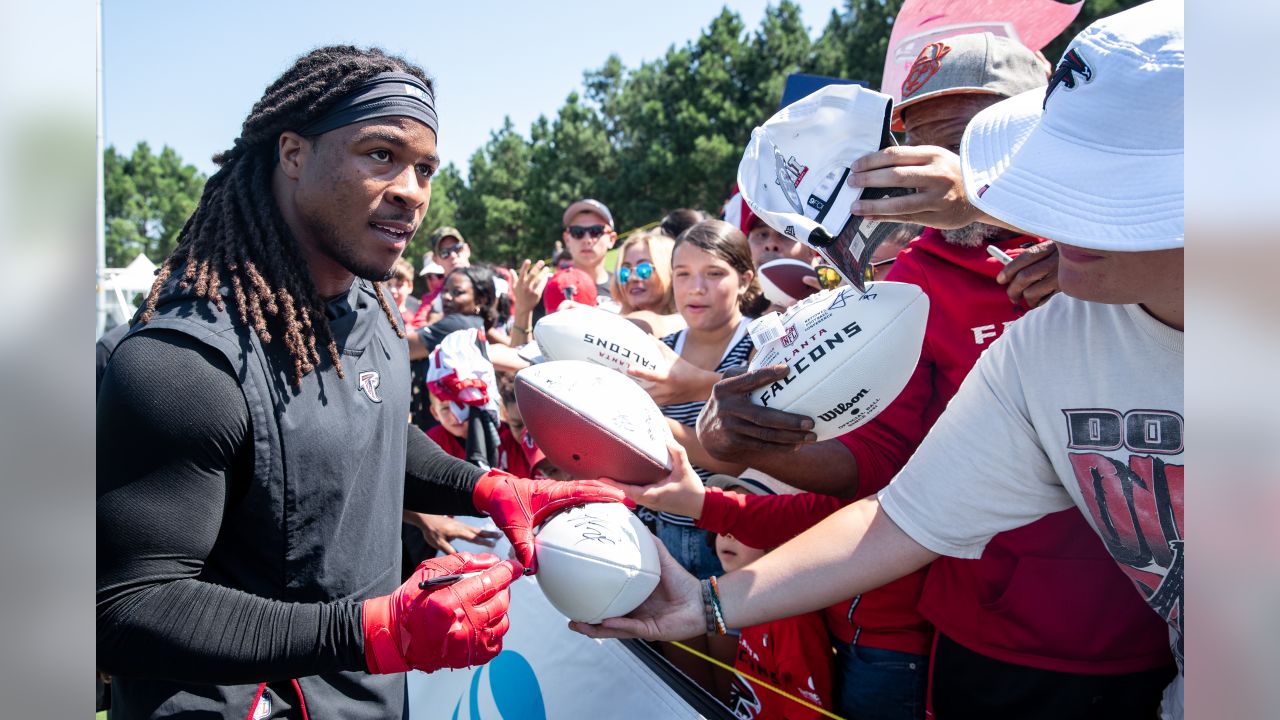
185	73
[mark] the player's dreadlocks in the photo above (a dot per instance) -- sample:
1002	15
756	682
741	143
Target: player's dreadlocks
237	238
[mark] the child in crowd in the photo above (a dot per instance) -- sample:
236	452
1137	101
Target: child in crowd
717	294
464	393
792	654
513	421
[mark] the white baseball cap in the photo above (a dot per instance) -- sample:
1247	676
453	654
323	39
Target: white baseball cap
753	482
793	172
1095	159
431	267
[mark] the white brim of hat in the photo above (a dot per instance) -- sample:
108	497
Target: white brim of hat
753	482
1021	171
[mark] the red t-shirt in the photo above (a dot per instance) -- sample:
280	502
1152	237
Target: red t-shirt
510	456
885	618
792	654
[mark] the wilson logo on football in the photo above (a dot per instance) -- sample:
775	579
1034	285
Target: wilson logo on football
844	407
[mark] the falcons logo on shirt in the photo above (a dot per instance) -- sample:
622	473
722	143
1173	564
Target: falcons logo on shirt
369	382
743	702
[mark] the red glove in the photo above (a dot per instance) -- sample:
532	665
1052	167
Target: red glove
518	505
454	626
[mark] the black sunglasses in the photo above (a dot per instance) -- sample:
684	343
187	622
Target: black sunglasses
578	231
452	250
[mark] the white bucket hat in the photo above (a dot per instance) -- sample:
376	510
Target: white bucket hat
793	172
1095	160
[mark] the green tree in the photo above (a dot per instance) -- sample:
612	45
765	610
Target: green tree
148	198
780	47
491	211
853	43
683	121
1089	12
678	123
447	187
571	158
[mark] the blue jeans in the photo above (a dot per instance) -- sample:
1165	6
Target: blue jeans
875	684
691	547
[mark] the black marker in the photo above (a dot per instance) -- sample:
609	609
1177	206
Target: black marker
445	580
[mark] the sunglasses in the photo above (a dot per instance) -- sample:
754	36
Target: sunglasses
577	232
828	277
642	270
452	250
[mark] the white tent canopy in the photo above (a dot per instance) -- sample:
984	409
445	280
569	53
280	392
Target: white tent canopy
122	284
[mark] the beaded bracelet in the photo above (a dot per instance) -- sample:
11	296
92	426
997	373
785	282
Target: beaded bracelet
707	608
721	628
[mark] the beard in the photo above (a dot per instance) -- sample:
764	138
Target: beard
345	252
972	235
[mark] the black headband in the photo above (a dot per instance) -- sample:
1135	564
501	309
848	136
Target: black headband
384	95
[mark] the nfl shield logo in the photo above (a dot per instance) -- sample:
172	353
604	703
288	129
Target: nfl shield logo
790	336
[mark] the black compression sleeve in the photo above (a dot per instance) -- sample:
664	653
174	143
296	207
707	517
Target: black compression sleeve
435	481
172	428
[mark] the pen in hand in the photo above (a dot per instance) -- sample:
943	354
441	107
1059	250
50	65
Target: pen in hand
999	254
443	580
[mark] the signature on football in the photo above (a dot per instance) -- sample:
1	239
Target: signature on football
593	529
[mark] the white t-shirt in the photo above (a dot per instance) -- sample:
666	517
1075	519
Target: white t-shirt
1077	404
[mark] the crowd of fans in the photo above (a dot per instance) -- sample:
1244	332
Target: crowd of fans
969	638
1043	624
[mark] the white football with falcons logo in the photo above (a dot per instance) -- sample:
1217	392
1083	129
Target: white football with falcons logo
848	354
597	336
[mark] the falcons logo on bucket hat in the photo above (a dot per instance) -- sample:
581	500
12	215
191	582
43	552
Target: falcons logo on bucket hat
1071	65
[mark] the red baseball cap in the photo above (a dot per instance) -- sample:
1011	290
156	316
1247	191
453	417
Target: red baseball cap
584	289
735	212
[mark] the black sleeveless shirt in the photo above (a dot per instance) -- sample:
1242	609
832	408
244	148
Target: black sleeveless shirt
316	519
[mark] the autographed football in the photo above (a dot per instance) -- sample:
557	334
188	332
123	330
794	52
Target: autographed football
593	422
596	336
783	281
849	353
596	561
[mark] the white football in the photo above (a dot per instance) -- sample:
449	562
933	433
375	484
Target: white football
596	561
597	336
592	422
849	354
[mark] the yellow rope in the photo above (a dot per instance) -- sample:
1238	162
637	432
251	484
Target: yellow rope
646	226
756	681
611	257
